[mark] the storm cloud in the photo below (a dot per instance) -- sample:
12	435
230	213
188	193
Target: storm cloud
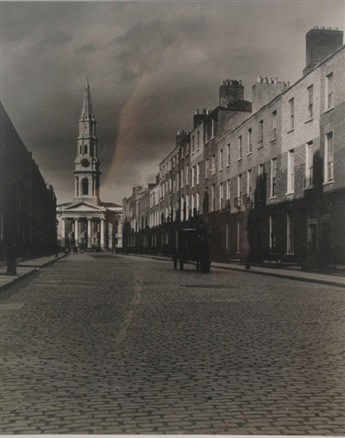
150	66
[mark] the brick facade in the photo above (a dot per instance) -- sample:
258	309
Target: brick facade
271	174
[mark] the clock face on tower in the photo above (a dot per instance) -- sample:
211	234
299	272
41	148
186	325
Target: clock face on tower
85	162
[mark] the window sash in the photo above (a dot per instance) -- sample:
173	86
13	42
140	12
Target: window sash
249	140
274	125
273	176
261	131
249	183
291	172
329	91
240	146
310	101
228	155
292	113
329	157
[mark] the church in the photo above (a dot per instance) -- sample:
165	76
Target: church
87	223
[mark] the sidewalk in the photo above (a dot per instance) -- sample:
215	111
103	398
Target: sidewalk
292	274
24	269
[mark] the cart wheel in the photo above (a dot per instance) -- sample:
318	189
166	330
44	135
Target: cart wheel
181	266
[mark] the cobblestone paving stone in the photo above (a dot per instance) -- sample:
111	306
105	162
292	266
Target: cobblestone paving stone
120	344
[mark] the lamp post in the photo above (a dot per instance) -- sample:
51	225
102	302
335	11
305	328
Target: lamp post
247	203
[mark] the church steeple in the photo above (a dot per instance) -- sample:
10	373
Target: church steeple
86	111
86	164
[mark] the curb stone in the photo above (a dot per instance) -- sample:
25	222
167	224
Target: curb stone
253	271
27	274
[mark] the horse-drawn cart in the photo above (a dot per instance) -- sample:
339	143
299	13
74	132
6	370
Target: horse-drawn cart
192	245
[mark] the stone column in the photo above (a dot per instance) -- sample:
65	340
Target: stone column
76	232
89	233
102	234
63	232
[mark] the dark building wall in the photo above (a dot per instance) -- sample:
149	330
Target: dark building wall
28	204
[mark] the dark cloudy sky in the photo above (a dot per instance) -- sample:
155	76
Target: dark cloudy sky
150	64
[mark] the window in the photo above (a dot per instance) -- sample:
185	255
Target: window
273	177
308	180
197	202
272	236
310	101
261	169
221	195
193	175
249	183
329	158
228	189
198	173
187	206
85	149
261	132
329	91
193	144
213	164
207	167
249	140
198	140
228	155
292	113
291	172
290	237
182	208
220	160
193	204
274	125
212	128
85	186
213	198
239	150
187	175
239	190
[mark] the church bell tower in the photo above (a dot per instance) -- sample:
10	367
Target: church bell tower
86	163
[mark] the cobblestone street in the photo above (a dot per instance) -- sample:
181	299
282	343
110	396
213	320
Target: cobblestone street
121	344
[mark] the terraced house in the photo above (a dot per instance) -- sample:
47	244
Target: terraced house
268	176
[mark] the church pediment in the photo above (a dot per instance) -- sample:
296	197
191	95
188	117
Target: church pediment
82	207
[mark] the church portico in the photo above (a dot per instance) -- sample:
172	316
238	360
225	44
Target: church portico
87	223
86	232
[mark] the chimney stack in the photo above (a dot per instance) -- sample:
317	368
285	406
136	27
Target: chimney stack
230	91
265	89
320	43
179	137
198	118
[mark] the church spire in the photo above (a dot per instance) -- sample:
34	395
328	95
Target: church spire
86	112
86	163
